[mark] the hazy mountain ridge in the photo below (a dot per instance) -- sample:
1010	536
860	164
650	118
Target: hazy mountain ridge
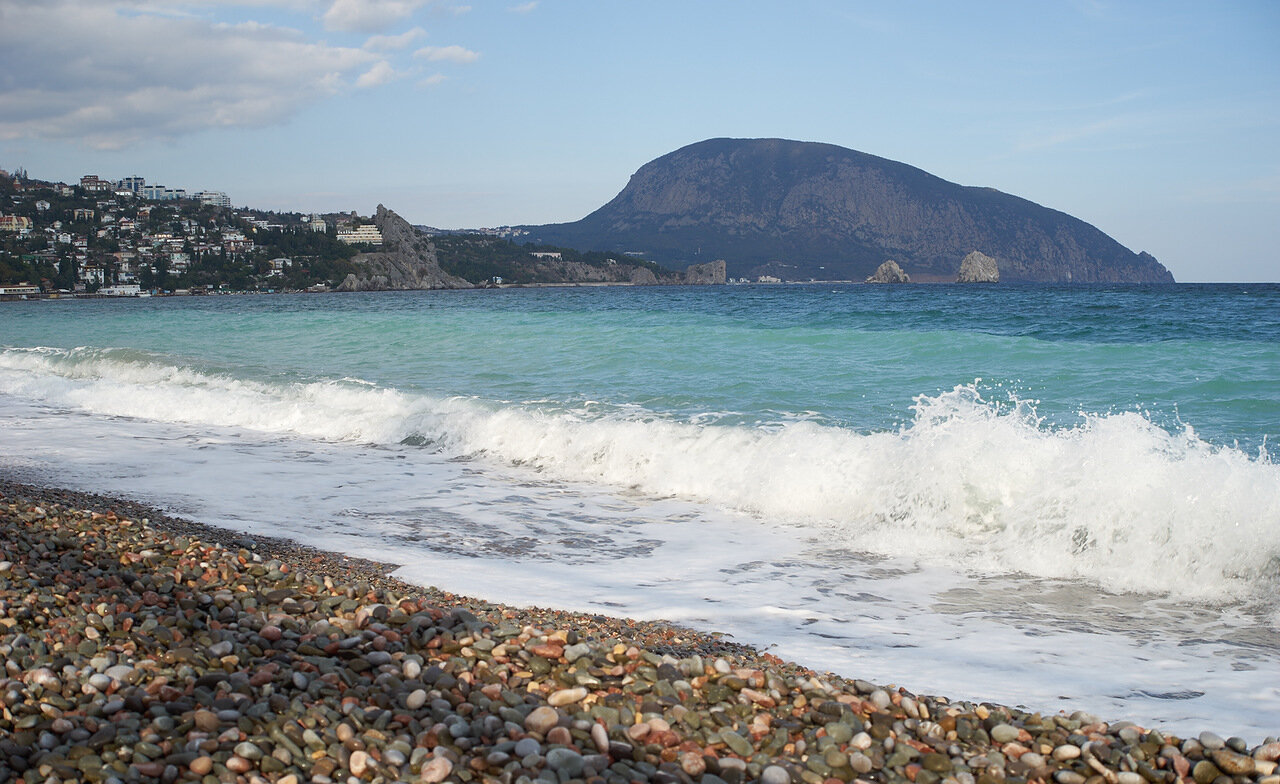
827	212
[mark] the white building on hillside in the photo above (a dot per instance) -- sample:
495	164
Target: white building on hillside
361	234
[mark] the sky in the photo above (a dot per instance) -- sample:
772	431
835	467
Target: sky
1157	122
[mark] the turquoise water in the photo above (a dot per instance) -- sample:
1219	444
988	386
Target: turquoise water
1027	482
852	356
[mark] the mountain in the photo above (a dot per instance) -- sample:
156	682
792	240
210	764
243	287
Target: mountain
802	210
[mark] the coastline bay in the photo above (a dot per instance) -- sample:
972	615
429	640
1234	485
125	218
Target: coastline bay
876	465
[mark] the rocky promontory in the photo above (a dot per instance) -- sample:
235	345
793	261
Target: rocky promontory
407	261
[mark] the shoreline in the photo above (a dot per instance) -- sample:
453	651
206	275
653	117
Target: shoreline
138	646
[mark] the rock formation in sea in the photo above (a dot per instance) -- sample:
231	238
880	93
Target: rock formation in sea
407	261
889	272
802	210
709	274
978	267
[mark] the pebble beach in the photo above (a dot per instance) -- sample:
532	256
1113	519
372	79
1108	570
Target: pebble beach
140	647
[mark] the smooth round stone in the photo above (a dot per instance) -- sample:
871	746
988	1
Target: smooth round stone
880	698
1211	741
415	699
1128	777
600	737
1066	752
775	774
1233	764
205	721
411	669
937	763
238	765
1205	772
435	771
574	652
692	763
394	757
378	658
861	741
1004	733
526	746
1065	776
839	732
248	751
100	681
566	696
201	765
300	680
860	762
358	763
1032	760
541	719
565	760
559	736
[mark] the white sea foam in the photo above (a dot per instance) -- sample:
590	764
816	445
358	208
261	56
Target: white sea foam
779	557
1115	500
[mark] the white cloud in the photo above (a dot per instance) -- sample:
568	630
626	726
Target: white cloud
83	69
379	74
432	80
369	16
523	8
450	54
391	43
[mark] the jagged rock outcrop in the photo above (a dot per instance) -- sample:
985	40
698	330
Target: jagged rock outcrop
889	272
831	213
709	274
978	267
407	261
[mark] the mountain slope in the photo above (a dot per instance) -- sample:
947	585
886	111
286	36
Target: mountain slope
807	210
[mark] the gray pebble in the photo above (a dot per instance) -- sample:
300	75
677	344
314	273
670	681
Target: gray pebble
775	774
526	746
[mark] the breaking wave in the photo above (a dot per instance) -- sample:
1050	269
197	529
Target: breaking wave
985	485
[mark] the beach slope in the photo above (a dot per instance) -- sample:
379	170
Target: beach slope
141	648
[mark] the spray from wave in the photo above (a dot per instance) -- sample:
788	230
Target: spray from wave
985	486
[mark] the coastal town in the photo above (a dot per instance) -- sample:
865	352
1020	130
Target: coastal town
100	237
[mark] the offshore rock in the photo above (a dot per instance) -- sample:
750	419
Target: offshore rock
978	267
710	274
889	272
408	261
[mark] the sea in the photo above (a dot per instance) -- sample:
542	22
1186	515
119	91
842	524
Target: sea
1062	498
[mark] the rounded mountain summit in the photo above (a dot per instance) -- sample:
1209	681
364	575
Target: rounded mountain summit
805	210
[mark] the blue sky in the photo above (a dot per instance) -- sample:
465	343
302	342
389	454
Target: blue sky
1157	122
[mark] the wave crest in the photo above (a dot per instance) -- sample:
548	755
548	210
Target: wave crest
983	485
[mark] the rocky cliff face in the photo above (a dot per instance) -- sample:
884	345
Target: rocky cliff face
889	272
407	261
710	274
978	267
832	213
